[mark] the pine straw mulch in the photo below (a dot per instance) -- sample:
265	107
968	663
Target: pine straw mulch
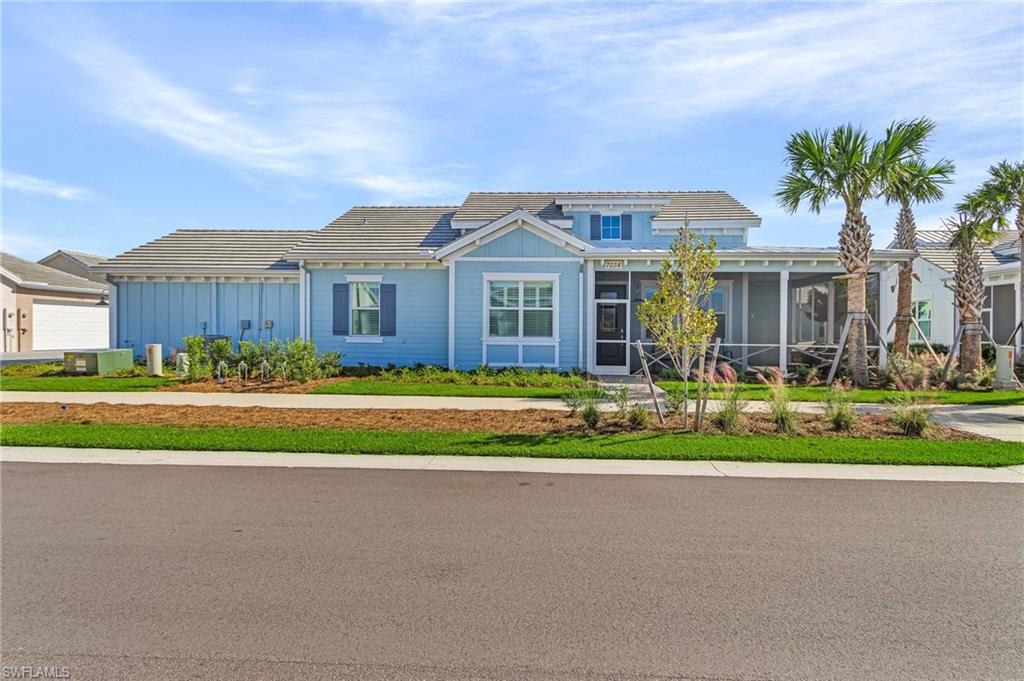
514	422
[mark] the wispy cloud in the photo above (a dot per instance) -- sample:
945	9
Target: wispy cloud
26	184
330	137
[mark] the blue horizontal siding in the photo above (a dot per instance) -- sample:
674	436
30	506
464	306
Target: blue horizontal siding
421	318
166	312
643	235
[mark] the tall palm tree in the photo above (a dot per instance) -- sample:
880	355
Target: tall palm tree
971	230
1001	194
907	184
845	165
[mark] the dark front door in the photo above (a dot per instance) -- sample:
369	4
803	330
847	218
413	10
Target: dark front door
611	335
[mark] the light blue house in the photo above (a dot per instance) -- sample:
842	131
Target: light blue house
532	279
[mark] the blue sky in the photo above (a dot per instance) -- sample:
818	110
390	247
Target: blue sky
122	122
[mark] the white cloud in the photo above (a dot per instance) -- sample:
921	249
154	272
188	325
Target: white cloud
330	137
26	184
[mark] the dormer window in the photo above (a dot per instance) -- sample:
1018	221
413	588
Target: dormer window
611	227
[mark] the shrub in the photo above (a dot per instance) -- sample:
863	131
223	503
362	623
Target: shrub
220	351
909	416
620	398
675	400
577	399
638	417
198	360
590	414
302	362
729	415
330	364
838	409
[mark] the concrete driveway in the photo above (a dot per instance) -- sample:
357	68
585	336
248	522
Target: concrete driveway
219	572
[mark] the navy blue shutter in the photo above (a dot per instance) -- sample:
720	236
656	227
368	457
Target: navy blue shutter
595	227
387	309
627	227
341	309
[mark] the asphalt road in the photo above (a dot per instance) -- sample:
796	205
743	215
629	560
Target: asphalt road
152	572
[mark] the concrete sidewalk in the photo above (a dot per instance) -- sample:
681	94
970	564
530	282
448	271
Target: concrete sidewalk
729	469
999	422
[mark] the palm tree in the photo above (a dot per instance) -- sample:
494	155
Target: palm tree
971	229
843	164
999	195
911	182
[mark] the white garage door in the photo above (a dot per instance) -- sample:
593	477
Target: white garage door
69	326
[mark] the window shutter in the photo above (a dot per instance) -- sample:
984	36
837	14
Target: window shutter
387	309
341	309
627	227
595	227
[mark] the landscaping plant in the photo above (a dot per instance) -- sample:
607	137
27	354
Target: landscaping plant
780	406
838	408
638	417
971	230
620	398
675	399
590	414
730	413
198	360
576	399
302	363
909	416
845	165
678	316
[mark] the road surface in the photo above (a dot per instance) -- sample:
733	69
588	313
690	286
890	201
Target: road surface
186	572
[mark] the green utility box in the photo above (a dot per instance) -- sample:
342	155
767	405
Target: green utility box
97	362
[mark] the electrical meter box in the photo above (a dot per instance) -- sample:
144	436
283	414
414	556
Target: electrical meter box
98	362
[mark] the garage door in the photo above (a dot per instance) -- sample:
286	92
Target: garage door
69	326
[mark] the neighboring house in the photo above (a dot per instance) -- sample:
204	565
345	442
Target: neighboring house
45	308
933	299
534	279
76	263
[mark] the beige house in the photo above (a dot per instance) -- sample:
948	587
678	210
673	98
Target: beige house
76	263
47	308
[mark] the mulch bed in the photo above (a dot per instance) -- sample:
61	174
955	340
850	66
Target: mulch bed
519	422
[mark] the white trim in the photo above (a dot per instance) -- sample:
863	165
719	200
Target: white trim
308	302
520	341
746	307
579	327
364	339
302	301
507	258
729	302
783	321
111	314
518	218
364	278
451	315
591	319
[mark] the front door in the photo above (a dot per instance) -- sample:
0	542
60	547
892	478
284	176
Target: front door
610	355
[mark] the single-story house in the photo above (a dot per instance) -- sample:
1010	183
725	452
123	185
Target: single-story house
76	263
47	308
933	299
536	279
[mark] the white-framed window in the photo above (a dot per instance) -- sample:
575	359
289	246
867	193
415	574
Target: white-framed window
520	319
611	227
364	303
921	310
521	309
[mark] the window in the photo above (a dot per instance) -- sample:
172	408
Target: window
922	312
365	304
520	309
718	301
611	227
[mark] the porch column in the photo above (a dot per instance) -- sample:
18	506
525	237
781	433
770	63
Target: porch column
1017	286
303	328
451	315
589	311
112	312
783	321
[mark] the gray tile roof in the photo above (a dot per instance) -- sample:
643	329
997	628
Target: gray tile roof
33	273
933	245
698	205
399	231
249	250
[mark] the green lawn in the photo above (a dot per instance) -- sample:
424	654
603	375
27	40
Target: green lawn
803	393
82	383
372	386
619	446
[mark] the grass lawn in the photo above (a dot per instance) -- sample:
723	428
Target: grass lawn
82	383
373	386
618	446
815	393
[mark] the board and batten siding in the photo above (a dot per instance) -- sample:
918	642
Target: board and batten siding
421	318
469	309
166	312
643	235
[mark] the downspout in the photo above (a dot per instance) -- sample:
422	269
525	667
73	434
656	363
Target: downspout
303	313
451	314
112	303
579	331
